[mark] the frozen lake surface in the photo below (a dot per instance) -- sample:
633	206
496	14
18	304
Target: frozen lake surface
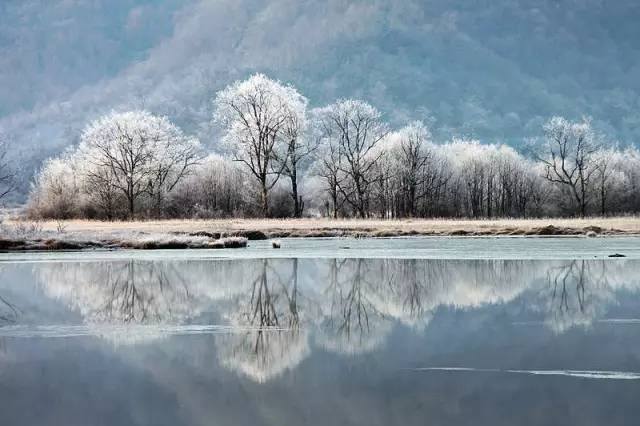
380	248
412	331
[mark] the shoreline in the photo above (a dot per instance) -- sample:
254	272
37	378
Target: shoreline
62	243
77	235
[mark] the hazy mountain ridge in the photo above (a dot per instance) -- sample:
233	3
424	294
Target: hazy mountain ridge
52	48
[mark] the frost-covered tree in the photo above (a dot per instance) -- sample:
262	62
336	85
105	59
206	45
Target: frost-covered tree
473	182
299	145
137	153
567	154
412	157
124	160
56	191
7	172
327	165
357	128
418	169
105	197
629	166
217	187
260	118
608	179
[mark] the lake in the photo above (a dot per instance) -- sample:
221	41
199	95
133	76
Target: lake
411	331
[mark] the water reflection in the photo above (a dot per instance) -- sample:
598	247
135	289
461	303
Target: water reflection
8	312
8	315
577	293
350	320
270	337
280	309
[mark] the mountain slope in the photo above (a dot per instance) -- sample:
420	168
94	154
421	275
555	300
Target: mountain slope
492	70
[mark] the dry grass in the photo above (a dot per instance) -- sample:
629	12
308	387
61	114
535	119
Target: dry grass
355	227
53	236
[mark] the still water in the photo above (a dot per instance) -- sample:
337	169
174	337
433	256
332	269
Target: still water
169	339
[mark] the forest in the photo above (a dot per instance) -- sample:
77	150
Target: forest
277	157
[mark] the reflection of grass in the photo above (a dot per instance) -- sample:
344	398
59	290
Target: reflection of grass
355	227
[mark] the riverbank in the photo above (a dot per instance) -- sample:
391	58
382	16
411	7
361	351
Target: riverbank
225	233
278	228
44	240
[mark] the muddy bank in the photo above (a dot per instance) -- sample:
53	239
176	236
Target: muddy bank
238	238
62	244
363	232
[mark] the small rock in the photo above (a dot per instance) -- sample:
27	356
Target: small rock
591	234
254	235
213	235
547	230
275	244
617	255
593	228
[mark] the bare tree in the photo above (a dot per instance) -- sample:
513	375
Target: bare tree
173	159
216	187
629	167
606	176
358	128
101	184
421	172
136	153
7	173
567	156
299	145
328	162
55	191
255	114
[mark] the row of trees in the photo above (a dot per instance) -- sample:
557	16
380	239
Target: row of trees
280	158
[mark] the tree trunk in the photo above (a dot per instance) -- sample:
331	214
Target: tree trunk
360	201
294	194
489	197
412	200
579	200
131	206
264	198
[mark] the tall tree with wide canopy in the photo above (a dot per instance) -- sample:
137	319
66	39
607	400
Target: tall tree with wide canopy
262	119
568	157
137	153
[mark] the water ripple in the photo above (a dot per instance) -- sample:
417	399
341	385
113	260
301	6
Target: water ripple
57	331
587	374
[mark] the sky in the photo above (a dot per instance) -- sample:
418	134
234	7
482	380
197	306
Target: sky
494	70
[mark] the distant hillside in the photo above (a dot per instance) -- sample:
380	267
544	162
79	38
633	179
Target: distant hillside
489	69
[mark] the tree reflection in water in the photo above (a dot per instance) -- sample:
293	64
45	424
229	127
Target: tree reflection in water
350	322
269	338
9	314
110	295
144	294
348	306
577	293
